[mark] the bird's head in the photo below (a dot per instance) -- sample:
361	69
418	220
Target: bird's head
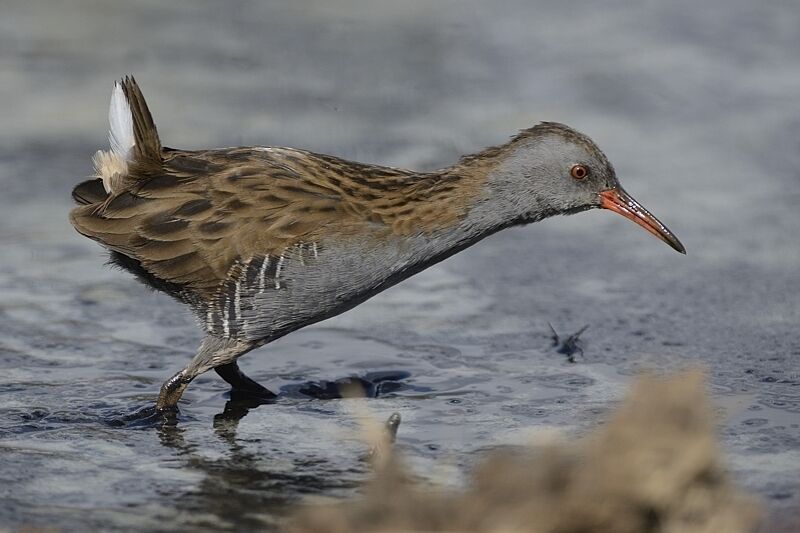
552	169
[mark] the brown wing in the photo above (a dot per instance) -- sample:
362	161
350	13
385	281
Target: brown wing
191	222
188	219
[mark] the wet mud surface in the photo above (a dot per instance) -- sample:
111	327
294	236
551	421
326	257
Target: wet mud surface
696	107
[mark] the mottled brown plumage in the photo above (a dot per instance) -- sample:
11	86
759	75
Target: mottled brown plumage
191	218
260	241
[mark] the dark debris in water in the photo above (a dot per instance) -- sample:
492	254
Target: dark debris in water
571	345
371	385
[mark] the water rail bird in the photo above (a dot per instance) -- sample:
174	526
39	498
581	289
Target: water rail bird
261	241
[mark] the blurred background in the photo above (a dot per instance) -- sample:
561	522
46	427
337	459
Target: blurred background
695	104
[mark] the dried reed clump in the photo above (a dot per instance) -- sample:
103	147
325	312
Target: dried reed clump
654	467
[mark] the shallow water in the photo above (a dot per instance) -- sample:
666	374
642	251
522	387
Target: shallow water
696	107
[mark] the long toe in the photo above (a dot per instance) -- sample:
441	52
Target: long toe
148	416
256	392
243	387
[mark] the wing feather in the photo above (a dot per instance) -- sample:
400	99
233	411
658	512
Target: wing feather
207	211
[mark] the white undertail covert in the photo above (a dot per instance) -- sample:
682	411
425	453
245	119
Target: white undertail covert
113	163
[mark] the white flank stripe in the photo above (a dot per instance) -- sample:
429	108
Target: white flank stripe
278	273
262	273
225	312
237	301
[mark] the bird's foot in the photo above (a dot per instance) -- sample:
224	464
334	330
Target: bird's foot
148	416
242	387
252	395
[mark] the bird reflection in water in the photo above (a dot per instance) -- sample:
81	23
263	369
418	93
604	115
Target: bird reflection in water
243	488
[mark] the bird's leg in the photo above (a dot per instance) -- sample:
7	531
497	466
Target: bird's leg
172	390
213	350
242	384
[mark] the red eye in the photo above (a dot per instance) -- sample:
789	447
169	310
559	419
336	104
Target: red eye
578	172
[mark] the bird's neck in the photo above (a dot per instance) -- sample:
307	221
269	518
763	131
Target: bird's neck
495	200
476	204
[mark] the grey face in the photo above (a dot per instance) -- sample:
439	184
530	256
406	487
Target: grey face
552	169
571	173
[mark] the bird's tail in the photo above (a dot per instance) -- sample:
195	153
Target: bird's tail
133	139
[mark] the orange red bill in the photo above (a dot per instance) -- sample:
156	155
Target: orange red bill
621	202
